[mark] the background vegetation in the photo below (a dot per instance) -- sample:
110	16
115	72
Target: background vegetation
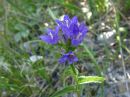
29	67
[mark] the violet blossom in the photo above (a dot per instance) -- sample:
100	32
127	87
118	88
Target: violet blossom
69	57
72	30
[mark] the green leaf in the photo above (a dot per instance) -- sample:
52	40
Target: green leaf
90	79
17	37
63	91
50	12
20	27
24	33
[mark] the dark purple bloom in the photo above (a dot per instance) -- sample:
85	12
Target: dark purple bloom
51	37
73	30
69	57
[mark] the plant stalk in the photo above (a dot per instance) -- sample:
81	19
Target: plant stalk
76	80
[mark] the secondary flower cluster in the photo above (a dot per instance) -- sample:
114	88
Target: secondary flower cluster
72	34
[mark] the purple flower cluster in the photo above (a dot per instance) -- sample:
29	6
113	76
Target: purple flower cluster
73	33
69	57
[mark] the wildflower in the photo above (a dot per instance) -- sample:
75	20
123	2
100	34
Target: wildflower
69	57
72	30
73	34
51	37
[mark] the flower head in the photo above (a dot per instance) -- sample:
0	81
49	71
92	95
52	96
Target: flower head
73	34
69	57
72	30
51	37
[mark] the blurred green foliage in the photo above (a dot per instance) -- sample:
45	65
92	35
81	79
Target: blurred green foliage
21	22
98	7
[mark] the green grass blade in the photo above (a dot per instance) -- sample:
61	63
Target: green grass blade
63	91
98	69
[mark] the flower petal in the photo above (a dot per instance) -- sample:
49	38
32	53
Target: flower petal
66	17
46	38
74	29
63	59
58	22
69	57
75	42
57	28
82	27
72	60
74	20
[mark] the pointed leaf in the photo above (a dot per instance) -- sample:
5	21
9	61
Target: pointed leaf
90	79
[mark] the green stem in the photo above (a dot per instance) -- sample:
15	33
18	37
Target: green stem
74	70
76	79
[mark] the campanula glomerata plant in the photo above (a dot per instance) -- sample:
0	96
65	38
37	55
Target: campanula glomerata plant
70	33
